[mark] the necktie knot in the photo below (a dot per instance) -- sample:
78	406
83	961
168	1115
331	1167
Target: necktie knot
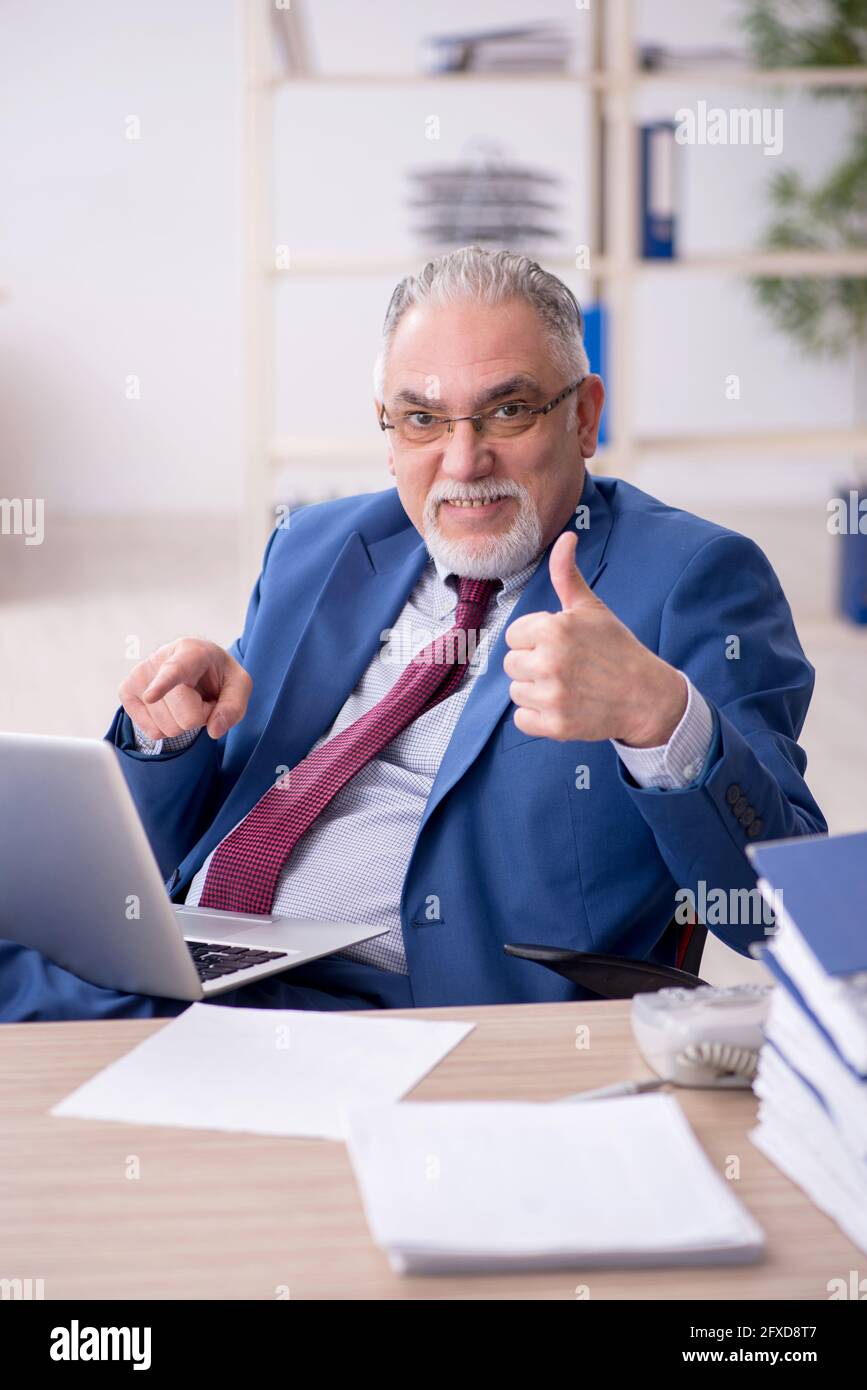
474	598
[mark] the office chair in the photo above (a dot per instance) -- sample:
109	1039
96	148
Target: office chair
617	977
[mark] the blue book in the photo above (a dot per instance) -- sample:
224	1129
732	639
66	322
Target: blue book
823	882
819	889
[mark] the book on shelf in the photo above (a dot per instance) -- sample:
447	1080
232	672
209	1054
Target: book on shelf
658	57
531	48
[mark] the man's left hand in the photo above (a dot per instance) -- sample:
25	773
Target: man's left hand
581	674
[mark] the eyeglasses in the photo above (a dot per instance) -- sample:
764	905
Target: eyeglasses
420	427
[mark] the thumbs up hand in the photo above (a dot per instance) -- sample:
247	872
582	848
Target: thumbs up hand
581	673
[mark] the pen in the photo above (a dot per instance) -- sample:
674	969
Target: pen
621	1088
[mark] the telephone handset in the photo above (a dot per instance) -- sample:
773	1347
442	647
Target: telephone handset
702	1037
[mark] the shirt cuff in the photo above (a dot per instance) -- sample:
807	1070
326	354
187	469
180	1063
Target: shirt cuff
676	764
154	746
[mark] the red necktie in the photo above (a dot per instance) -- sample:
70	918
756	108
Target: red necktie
246	865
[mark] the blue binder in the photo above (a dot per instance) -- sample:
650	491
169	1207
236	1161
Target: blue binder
658	217
852	552
596	347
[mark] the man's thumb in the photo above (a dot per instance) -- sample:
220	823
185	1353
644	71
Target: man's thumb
568	581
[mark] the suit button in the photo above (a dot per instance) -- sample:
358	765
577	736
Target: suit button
740	806
755	828
748	816
733	793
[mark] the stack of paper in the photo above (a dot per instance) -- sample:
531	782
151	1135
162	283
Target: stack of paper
484	1186
812	1078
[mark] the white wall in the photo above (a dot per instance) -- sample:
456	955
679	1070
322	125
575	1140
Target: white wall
122	257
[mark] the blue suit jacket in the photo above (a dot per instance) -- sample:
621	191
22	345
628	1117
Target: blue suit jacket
509	846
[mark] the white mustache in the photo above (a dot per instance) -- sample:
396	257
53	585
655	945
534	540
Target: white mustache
483	491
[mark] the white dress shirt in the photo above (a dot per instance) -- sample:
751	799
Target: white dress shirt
351	864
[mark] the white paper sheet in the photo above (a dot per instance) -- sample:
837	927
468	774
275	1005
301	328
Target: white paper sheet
488	1184
269	1071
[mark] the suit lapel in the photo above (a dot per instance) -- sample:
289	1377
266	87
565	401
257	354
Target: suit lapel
363	595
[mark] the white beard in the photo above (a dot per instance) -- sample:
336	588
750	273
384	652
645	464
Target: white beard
484	557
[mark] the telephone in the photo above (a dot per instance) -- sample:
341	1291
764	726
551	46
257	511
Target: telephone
702	1037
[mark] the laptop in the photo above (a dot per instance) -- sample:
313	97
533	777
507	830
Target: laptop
80	883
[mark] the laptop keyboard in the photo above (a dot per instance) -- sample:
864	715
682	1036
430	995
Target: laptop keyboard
214	961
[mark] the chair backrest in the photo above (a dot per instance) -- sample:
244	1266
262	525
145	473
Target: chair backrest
690	946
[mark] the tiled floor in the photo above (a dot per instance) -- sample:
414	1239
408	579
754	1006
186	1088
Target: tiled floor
72	610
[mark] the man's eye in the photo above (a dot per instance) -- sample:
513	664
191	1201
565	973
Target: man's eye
420	420
511	410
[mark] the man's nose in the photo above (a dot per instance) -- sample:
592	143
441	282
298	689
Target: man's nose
466	452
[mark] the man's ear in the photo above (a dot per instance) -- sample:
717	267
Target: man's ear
377	405
591	398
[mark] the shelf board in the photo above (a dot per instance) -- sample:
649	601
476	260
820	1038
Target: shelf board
589	79
760	442
395	264
804	77
793	77
814	263
807	263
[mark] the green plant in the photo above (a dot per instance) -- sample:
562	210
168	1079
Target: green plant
825	315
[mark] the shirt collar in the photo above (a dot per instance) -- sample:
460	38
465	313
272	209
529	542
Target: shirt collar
513	584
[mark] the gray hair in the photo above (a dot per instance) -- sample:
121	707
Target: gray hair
492	277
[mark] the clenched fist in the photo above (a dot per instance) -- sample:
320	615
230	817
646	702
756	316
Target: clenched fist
185	685
581	674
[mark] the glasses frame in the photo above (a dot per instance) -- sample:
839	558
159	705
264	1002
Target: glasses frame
478	420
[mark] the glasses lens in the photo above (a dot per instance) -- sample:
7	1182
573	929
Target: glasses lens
420	428
512	418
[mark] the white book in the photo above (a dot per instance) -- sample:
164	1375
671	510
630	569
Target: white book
472	1186
809	1052
796	1133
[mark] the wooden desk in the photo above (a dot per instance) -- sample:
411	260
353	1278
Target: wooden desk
218	1215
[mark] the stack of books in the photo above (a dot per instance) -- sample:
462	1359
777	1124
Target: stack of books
485	198
812	1077
657	57
530	48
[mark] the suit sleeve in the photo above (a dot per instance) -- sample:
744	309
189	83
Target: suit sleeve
171	789
726	623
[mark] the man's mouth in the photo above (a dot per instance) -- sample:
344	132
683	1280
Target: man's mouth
475	503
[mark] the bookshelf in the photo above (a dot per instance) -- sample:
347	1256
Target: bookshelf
614	81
